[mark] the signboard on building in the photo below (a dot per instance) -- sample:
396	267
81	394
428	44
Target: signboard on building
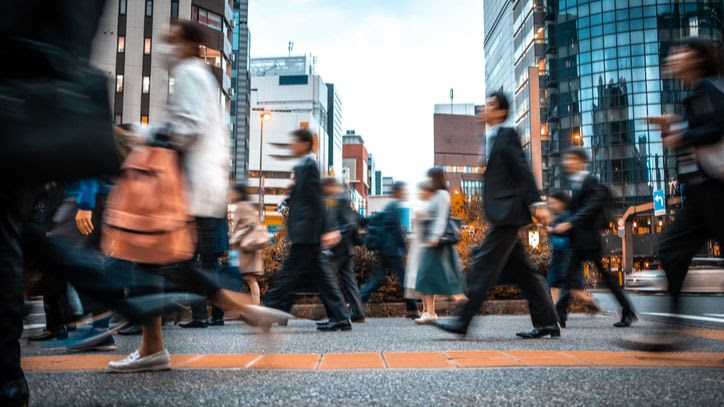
659	202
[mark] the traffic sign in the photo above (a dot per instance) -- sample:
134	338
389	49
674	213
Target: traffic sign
621	232
659	202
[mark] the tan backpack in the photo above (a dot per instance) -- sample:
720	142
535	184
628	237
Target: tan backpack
146	218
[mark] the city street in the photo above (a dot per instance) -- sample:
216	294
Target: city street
705	310
386	361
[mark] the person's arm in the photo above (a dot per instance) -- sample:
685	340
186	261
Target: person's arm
186	109
519	166
595	201
394	223
712	127
442	212
86	203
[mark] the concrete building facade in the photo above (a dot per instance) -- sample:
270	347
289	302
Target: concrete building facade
458	142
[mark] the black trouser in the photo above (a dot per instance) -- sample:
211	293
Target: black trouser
303	257
700	218
609	279
348	283
209	249
388	264
502	250
13	207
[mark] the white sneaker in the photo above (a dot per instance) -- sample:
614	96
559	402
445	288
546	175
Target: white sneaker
426	319
135	363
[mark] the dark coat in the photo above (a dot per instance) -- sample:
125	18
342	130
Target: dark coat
395	244
509	187
341	217
306	220
587	208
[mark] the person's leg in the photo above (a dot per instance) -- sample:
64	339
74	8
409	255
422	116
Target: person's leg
533	286
280	294
348	284
250	280
611	282
562	306
329	291
376	279
11	281
555	294
488	265
396	266
152	339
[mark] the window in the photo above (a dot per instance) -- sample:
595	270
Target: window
121	44
122	7
119	118
119	83
147	46
144	120
207	18
174	9
146	86
149	8
210	55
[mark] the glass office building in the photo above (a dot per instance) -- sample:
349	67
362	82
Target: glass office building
605	76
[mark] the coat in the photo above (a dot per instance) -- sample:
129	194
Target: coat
509	187
307	215
587	208
246	217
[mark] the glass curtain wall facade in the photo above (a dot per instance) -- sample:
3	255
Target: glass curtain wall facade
240	91
498	41
605	77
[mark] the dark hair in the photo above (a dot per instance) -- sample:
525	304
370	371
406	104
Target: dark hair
398	186
304	136
329	181
190	32
502	100
710	55
242	189
437	177
559	195
579	152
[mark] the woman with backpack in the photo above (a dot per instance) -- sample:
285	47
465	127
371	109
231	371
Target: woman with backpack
439	271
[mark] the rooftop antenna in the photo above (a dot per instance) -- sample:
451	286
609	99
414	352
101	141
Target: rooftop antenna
451	100
291	47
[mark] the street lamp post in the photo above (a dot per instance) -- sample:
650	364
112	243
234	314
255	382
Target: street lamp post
263	117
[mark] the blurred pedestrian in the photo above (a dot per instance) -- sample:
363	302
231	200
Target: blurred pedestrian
417	240
697	138
440	271
559	279
309	234
248	237
508	193
392	248
588	215
340	213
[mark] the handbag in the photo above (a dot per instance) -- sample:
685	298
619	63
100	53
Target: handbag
451	236
256	239
56	125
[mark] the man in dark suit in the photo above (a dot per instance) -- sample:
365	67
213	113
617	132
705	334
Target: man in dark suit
341	214
308	232
508	193
392	251
588	208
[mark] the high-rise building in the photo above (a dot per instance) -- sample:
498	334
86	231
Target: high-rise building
604	77
378	183
240	91
497	44
334	125
355	162
287	90
371	170
387	184
125	47
458	142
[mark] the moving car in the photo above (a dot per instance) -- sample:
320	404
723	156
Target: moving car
705	276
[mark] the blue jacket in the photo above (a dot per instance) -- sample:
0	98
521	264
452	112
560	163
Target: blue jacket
85	192
395	245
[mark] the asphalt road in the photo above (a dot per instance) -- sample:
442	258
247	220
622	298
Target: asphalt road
698	310
499	386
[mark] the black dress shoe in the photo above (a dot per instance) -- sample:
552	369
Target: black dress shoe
60	333
453	326
323	322
562	324
627	320
540	332
216	322
14	393
336	326
358	320
195	323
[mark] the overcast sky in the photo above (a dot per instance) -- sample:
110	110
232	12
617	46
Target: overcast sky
391	60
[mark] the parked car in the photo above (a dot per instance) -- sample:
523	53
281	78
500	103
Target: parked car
705	276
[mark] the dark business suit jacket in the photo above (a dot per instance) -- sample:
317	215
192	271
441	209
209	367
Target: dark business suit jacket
509	186
395	245
587	208
306	220
341	217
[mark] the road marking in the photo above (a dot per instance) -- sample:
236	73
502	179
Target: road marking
394	360
715	315
682	316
